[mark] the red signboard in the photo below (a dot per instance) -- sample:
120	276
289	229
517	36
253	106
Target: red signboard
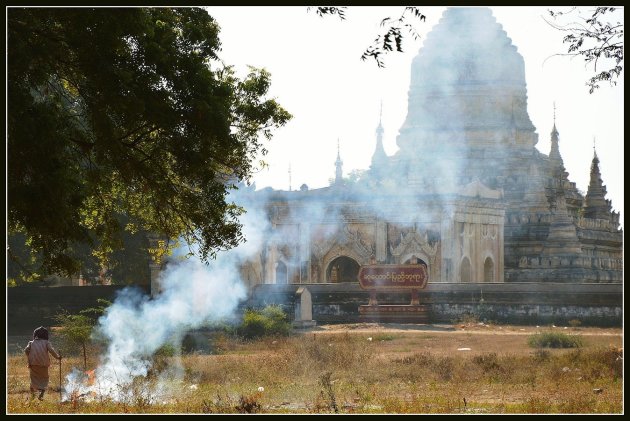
392	277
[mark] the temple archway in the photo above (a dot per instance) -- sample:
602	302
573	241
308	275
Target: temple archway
342	269
413	260
281	273
465	270
488	270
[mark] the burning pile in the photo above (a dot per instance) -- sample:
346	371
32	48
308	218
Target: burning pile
79	386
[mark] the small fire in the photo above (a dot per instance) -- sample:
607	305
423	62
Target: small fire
79	386
91	377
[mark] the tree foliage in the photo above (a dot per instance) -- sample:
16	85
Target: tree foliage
126	119
597	37
127	264
391	39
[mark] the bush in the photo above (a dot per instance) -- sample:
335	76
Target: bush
554	340
270	321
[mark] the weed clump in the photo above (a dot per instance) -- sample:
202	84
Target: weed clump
329	396
554	340
247	404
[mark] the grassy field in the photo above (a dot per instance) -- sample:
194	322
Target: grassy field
366	369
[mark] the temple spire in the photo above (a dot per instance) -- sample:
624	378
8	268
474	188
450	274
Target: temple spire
338	168
379	157
554	154
595	203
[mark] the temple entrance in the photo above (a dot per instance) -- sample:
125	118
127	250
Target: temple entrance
281	273
488	270
465	272
342	269
416	261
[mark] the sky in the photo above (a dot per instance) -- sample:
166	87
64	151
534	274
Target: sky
335	97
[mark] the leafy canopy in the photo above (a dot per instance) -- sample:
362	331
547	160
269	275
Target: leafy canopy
126	119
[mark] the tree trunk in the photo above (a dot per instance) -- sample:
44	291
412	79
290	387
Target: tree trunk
84	357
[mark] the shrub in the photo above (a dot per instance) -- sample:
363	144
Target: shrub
270	321
253	325
554	340
278	321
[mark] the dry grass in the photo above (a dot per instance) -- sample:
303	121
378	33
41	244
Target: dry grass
394	372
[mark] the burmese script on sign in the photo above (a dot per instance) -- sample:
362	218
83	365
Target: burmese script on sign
388	277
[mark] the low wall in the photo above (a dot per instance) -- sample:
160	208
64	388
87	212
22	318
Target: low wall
31	306
527	303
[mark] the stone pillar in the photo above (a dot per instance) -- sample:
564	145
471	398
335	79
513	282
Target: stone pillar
303	309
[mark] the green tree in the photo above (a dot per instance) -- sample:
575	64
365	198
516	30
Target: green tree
597	36
76	329
126	119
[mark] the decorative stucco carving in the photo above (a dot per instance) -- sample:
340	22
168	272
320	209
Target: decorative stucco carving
414	242
346	241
